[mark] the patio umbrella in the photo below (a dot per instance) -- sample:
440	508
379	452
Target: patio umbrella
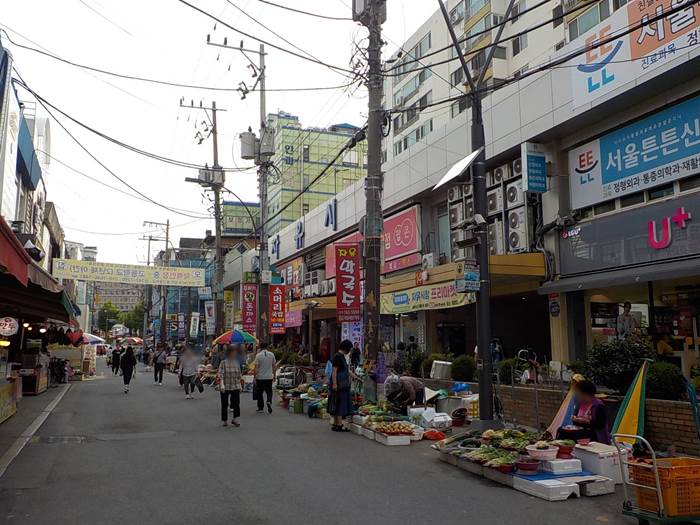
90	339
133	341
235	336
630	418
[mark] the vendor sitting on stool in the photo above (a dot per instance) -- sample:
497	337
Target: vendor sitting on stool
404	391
590	419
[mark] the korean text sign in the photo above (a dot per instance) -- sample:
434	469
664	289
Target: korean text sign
127	273
249	303
656	150
347	276
277	308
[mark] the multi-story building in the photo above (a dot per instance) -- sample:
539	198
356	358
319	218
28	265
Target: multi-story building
124	296
592	122
301	155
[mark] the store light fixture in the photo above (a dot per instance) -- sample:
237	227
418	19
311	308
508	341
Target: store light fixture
29	328
25	325
42	330
4	343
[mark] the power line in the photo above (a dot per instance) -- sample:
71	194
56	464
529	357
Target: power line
317	15
153	156
353	74
157	81
101	163
133	233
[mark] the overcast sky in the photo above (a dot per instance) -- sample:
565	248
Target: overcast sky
166	39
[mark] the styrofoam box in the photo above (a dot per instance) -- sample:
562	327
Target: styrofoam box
499	477
441	422
561	466
599	487
547	489
356	429
602	460
392	441
359	420
470	466
368	433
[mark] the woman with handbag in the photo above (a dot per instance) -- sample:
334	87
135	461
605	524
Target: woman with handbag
339	399
189	365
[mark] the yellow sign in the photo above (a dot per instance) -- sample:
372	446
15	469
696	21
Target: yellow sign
429	297
8	403
127	273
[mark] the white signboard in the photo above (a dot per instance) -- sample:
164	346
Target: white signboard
618	61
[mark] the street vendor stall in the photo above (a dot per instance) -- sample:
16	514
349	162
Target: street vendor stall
73	355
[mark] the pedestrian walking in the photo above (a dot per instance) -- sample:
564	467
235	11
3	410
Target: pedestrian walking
339	400
159	360
230	384
116	354
265	365
128	366
189	365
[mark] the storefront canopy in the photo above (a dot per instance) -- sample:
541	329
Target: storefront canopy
640	274
32	301
13	257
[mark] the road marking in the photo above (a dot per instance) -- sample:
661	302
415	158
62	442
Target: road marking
9	456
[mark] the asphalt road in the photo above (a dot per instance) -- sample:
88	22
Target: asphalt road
151	456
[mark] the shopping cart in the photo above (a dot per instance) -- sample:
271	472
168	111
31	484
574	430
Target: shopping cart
666	490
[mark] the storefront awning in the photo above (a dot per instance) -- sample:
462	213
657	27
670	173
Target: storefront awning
33	302
323	303
41	277
13	257
639	274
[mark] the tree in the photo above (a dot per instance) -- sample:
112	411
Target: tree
107	316
133	319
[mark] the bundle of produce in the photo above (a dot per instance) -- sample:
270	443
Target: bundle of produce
395	429
455	439
368	409
386	417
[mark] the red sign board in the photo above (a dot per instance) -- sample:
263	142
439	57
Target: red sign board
347	271
402	242
277	307
249	305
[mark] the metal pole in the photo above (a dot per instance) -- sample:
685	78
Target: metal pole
374	183
219	285
148	295
478	142
263	331
164	289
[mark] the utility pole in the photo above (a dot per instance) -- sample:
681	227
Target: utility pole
213	179
478	143
163	288
372	14
149	291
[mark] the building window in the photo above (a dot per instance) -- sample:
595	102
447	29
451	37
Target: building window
617	4
398	148
460	106
661	191
588	20
304	209
457	14
474	6
558	15
517	9
457	77
409	61
691	183
631	200
559	45
306	155
604	207
500	52
519	44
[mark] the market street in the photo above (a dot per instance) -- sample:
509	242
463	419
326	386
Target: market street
103	457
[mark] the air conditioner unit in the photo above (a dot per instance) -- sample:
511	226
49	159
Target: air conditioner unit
456	213
467	189
499	175
454	194
314	277
517	168
323	290
331	287
469	208
518	238
307	291
315	289
455	237
428	261
514	194
496	237
494	201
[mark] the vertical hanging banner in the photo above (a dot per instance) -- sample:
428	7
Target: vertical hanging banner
181	326
194	325
277	306
347	275
210	316
249	305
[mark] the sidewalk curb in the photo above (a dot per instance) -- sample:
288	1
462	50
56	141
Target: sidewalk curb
14	450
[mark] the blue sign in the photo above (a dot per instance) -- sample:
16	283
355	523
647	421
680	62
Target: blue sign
536	173
299	235
332	215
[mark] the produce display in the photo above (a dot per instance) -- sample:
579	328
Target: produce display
395	429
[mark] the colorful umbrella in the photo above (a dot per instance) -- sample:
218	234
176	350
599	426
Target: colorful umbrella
630	418
90	339
235	336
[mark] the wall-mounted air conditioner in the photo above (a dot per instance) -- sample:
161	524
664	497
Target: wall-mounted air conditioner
494	201
514	194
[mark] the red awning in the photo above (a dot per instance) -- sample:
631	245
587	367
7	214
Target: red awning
13	257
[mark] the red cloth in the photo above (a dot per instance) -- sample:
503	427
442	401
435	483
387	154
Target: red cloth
13	257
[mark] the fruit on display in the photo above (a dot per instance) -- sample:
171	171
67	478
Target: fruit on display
397	428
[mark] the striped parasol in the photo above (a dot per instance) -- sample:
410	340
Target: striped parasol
235	336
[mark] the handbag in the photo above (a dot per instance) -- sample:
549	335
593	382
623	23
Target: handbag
199	385
181	379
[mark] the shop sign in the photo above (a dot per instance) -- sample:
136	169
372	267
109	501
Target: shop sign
554	305
402	242
8	326
210	316
299	234
277	309
331	220
228	296
250	277
156	330
194	325
657	232
534	165
348	299
472	277
656	150
428	297
249	302
275	247
127	273
352	332
204	293
237	217
294	318
181	326
622	60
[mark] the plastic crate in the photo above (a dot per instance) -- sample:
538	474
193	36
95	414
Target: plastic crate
679	480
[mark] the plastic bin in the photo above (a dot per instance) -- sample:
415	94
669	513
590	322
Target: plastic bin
679	479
